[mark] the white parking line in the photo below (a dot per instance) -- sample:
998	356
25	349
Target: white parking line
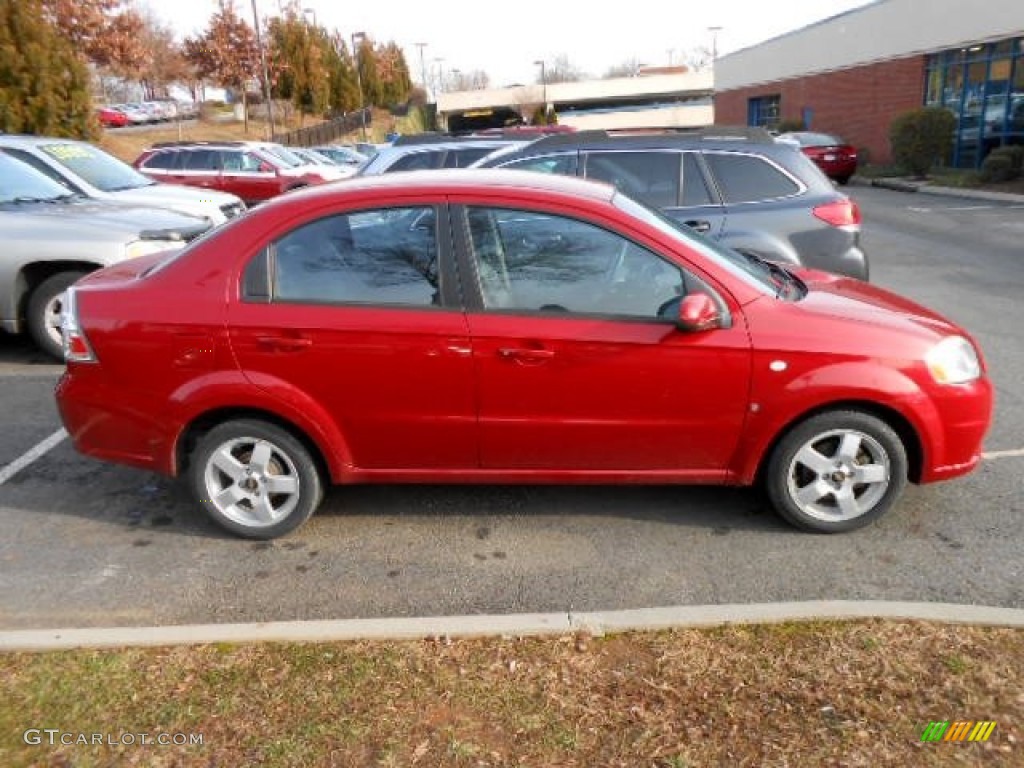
1016	452
32	454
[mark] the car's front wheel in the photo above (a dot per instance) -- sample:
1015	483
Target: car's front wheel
44	312
836	471
255	479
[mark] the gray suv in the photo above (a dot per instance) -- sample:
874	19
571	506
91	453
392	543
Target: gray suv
758	196
423	152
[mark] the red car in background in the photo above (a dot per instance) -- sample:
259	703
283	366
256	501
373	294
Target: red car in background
111	118
830	153
507	327
254	171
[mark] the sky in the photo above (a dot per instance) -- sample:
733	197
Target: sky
504	39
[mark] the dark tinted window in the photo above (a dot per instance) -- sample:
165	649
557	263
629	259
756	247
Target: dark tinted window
651	177
538	262
747	178
161	161
695	189
417	161
369	257
202	160
561	164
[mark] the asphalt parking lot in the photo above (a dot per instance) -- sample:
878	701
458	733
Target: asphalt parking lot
87	544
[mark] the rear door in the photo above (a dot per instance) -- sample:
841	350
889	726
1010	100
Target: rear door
666	179
355	317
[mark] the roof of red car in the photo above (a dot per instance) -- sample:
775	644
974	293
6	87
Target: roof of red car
455	181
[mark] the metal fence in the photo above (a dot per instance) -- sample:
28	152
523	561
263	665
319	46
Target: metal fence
325	133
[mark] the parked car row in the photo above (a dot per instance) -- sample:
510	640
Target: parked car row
145	112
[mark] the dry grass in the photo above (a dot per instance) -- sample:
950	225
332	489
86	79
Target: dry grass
807	694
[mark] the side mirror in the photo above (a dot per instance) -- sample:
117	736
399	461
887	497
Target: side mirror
697	312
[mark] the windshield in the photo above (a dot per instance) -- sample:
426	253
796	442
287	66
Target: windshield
289	158
736	263
96	167
22	183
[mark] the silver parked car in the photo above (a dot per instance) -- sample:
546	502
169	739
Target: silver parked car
88	170
51	237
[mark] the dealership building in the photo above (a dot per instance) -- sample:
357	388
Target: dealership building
853	73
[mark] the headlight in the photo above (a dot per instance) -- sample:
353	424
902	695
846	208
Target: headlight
146	247
953	361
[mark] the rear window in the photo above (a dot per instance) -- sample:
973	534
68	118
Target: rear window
748	178
417	161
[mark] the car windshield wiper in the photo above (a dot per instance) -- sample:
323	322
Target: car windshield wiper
30	199
786	283
123	187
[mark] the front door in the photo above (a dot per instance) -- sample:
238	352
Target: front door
352	312
579	362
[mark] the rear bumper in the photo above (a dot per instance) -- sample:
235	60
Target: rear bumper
106	425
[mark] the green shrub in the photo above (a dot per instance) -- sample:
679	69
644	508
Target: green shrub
1016	154
922	138
998	166
789	125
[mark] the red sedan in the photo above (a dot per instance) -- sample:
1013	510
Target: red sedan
830	153
111	118
506	326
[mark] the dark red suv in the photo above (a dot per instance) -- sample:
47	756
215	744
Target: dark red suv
504	326
255	171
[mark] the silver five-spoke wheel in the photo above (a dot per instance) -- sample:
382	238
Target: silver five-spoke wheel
255	478
839	475
836	471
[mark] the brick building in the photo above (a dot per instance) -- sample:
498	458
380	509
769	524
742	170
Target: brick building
852	73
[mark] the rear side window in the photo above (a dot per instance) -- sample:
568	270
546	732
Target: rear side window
747	178
564	165
202	160
417	161
384	257
650	177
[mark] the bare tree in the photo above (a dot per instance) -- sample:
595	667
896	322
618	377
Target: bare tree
628	68
560	70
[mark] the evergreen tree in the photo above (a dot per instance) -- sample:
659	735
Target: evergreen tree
44	86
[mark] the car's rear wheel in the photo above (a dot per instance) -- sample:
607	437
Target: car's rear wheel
44	310
836	471
255	479
843	180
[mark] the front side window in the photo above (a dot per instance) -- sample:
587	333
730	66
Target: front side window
537	262
748	178
366	257
651	177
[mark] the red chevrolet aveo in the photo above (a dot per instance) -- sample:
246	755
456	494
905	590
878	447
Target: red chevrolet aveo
503	326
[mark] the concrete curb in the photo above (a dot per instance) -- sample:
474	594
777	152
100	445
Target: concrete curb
514	625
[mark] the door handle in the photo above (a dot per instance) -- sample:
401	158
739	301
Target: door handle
284	343
525	355
698	225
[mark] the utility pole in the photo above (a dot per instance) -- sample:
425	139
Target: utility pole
544	85
714	42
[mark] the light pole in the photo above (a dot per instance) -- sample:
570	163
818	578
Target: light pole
456	85
423	66
440	76
714	42
310	12
361	37
544	85
266	74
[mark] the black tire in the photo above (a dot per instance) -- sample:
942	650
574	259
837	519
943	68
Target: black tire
842	180
44	301
237	501
842	446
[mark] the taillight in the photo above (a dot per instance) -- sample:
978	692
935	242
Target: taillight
76	345
841	213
